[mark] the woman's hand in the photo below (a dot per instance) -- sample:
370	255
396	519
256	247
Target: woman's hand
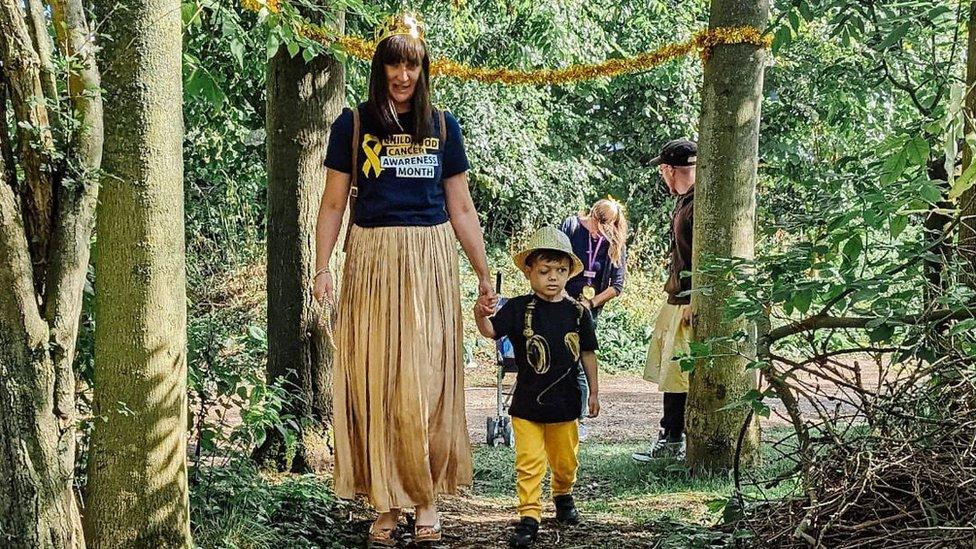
686	316
487	300
324	288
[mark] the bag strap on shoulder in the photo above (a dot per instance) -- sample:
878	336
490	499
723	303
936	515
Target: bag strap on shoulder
443	128
354	181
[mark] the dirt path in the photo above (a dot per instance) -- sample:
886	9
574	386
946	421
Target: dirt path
630	409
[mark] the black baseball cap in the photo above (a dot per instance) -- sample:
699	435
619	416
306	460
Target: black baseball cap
677	152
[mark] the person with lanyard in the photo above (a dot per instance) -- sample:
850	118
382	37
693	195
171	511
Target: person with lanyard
672	330
399	419
599	240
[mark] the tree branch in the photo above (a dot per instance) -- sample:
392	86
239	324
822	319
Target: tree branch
75	215
18	303
821	322
37	26
22	67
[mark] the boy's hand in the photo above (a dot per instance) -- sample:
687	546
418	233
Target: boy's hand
485	306
594	404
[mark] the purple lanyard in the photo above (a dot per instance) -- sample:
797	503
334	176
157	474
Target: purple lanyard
591	257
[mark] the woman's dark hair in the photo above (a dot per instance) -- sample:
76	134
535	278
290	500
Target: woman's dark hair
393	51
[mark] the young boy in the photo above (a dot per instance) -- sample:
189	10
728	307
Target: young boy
552	335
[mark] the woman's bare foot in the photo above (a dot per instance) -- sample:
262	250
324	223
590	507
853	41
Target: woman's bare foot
428	524
386	521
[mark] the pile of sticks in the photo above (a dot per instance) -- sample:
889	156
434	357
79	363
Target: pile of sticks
902	475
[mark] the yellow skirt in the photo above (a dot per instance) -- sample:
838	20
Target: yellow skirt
671	338
400	432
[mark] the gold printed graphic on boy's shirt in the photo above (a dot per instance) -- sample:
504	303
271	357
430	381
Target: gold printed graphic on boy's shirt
399	152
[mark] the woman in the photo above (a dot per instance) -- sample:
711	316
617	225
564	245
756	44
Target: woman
600	242
400	430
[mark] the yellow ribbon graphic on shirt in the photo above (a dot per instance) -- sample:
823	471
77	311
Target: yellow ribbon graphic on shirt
372	147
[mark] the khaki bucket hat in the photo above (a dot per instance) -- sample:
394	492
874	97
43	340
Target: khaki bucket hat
548	238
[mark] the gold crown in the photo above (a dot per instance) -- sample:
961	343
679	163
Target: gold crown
407	24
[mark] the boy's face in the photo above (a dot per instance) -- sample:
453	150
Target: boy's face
548	277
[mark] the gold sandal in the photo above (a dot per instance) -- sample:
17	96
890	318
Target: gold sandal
423	534
382	537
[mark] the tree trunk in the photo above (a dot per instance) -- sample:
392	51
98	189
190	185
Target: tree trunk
723	228
137	488
37	382
303	100
967	202
36	501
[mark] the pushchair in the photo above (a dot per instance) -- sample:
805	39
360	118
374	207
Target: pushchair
499	427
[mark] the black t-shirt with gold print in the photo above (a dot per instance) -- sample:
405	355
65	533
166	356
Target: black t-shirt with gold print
546	389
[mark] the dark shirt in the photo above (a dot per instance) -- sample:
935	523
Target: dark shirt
608	274
682	221
400	183
553	396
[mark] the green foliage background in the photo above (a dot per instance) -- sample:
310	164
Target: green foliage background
859	99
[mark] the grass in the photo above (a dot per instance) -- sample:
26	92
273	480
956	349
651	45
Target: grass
235	507
610	482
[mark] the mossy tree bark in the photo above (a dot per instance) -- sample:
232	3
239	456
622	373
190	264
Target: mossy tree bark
45	232
137	490
724	219
303	100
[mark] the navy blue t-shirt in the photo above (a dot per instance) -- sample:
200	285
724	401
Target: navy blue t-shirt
608	273
400	183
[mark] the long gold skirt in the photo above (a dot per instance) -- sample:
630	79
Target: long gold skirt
400	432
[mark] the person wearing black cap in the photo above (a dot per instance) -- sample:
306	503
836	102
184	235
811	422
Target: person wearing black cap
672	330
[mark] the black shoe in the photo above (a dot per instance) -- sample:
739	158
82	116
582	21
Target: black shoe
566	512
525	533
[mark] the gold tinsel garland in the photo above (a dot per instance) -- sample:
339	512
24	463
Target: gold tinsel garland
702	42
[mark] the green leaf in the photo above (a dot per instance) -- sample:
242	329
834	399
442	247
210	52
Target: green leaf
201	83
782	38
237	50
805	10
897	224
893	167
918	151
964	183
963	326
881	333
190	14
257	333
930	192
272	45
716	505
802	300
852	249
760	409
895	36
293	48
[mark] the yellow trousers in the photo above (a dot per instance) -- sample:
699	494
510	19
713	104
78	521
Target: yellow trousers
535	445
